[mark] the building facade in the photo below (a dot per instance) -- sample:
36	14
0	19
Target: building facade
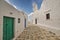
48	15
12	21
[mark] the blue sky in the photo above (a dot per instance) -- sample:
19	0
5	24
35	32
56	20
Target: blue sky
25	5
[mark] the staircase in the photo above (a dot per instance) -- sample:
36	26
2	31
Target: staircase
37	33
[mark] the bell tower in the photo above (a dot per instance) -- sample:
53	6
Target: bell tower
35	6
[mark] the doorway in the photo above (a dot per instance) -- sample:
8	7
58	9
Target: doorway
36	21
25	23
8	28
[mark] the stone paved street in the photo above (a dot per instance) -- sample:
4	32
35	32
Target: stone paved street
36	33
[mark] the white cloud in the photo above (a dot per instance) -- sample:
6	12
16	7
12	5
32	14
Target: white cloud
14	6
11	4
30	14
8	1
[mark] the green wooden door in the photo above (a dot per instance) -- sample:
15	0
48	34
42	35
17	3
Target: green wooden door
8	28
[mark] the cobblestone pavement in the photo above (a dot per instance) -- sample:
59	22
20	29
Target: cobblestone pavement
36	33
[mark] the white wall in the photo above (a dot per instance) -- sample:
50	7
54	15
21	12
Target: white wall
5	10
52	7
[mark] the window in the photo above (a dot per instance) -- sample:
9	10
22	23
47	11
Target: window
18	20
48	16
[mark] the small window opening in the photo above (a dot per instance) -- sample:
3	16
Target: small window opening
48	16
11	13
18	20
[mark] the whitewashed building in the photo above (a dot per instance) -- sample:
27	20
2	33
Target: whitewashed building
12	21
48	15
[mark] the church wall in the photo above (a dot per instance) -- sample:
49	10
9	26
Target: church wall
53	8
